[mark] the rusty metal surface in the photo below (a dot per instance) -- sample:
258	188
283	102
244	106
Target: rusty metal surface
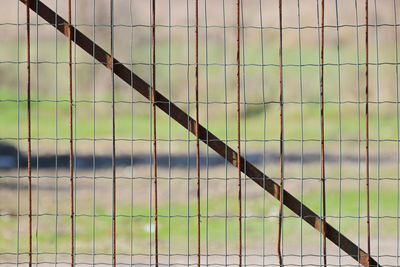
238	163
153	102
214	143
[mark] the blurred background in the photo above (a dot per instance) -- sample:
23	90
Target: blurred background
344	87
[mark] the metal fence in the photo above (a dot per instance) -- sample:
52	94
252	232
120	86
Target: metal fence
277	142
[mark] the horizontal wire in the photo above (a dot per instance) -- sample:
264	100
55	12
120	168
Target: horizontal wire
205	26
248	140
194	255
187	254
186	216
200	102
185	64
203	178
188	140
184	264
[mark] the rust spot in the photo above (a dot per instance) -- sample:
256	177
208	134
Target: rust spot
235	159
317	224
109	61
276	191
66	29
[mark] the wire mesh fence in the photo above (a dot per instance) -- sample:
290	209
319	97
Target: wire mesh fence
229	132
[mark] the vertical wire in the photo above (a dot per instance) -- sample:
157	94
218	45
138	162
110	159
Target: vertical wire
113	137
169	132
378	120
264	128
75	129
359	132
302	132
56	141
150	139
28	69
319	73
197	129
132	137
238	126
114	233
367	132
37	137
245	134
18	140
323	129
71	149
340	129
398	131
94	137
188	131
281	148
207	149
154	129
226	137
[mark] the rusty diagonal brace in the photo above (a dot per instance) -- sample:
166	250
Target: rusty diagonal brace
213	142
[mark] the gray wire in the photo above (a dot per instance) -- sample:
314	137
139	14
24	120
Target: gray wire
169	134
75	106
226	134
245	134
184	26
56	137
207	118
185	64
202	102
340	129
188	132
264	129
359	132
18	142
151	137
40	139
114	185
378	122
37	141
94	140
98	177
350	140
132	141
398	134
393	217
319	76
302	132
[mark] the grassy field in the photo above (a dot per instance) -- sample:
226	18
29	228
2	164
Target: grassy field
260	110
344	116
175	225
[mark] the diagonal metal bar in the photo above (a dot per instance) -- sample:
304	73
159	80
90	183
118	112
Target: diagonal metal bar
213	142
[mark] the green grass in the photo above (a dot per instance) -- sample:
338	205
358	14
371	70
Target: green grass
53	119
180	229
49	119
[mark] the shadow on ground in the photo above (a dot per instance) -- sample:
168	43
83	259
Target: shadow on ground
10	158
